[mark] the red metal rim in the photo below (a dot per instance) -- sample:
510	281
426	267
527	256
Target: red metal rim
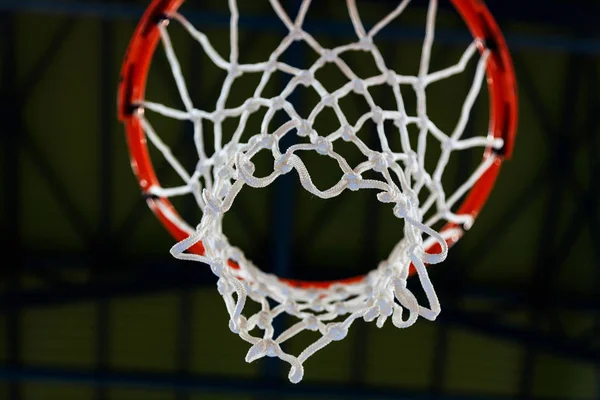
501	86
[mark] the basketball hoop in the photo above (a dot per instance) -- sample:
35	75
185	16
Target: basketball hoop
327	307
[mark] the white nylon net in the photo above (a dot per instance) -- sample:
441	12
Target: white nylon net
218	179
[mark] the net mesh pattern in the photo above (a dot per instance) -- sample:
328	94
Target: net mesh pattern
219	177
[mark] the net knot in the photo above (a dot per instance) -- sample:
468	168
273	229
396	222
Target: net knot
219	244
400	122
391	78
235	254
196	115
436	187
388	197
297	34
328	55
337	331
291	307
218	116
412	161
385	305
358	86
213	204
448	144
366	43
381	161
377	115
235	71
316	305
347	133
323	146
305	128
283	165
399	283
339	308
222	157
371	314
194	186
216	266
263	141
223	287
238	324
264	320
245	167
400	210
277	103
271	65
305	78
312	323
261	289
262	348
387	270
225	172
329	100
353	180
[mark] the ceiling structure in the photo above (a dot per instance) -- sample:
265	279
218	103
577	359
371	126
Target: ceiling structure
93	305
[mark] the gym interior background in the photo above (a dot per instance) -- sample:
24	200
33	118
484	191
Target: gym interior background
92	306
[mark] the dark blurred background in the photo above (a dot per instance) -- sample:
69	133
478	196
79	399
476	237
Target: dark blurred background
92	306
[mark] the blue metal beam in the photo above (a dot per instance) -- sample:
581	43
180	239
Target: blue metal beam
133	12
165	273
217	385
551	343
139	278
153	281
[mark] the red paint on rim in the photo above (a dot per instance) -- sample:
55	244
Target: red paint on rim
503	113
